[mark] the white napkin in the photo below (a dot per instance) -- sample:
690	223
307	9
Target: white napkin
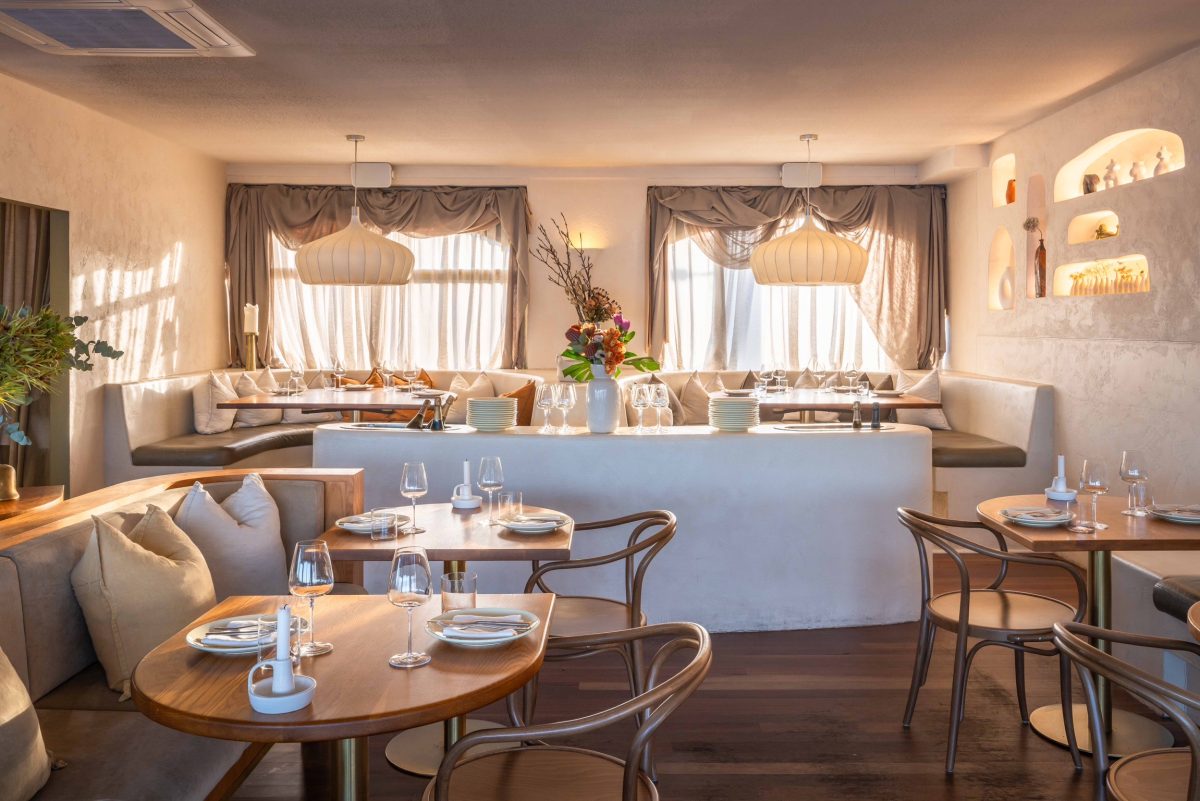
460	619
469	632
237	640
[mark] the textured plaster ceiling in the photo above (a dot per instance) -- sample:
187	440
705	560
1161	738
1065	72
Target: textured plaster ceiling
621	82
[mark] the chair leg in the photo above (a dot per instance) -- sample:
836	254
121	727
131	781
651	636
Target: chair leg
1064	678
929	653
957	697
1096	730
920	668
1022	702
962	708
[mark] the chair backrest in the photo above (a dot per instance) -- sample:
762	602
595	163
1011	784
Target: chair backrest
651	708
1075	640
652	532
929	530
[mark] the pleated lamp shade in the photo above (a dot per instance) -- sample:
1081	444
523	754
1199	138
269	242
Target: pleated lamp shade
808	257
354	256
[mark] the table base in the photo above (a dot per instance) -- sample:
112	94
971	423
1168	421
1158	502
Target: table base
350	769
1130	733
419	751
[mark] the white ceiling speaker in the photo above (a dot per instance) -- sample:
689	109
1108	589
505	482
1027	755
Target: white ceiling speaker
118	28
371	175
355	256
808	256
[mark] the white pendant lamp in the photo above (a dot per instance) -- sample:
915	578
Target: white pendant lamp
354	255
808	256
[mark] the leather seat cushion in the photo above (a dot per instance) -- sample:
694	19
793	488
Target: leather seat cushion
87	690
538	773
577	614
126	756
226	448
962	449
1175	595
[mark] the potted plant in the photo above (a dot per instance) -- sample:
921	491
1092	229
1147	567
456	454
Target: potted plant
598	355
572	272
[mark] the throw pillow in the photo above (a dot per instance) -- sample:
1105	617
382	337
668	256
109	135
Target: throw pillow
806	380
24	763
525	397
239	538
137	590
748	381
694	399
481	387
207	418
716	385
928	388
252	418
884	383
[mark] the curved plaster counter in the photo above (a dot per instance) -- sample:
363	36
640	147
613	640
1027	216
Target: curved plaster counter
777	530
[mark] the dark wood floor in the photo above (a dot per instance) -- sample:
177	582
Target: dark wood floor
801	715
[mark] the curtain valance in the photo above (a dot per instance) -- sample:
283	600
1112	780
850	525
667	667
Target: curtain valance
903	228
300	214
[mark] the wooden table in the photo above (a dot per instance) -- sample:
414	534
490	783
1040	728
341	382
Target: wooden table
453	537
1194	620
353	401
815	400
33	499
1128	733
357	694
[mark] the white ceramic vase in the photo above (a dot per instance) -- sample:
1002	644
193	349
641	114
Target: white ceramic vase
604	402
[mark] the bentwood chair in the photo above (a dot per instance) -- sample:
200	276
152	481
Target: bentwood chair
990	614
1161	774
535	771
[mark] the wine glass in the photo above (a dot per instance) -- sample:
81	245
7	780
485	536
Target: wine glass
296	379
409	374
387	370
544	399
659	400
311	575
1093	480
339	374
413	485
491	478
852	377
781	378
640	398
565	401
1133	473
410	584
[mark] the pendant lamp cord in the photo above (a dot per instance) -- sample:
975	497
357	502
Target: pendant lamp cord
355	174
807	202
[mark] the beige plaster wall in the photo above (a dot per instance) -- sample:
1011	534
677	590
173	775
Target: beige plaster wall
146	240
1126	369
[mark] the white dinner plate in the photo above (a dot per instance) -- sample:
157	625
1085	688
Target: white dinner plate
361	524
430	393
739	393
436	627
1036	516
1189	515
887	393
358	387
195	637
536	524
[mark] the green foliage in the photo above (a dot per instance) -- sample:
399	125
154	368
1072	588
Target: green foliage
36	347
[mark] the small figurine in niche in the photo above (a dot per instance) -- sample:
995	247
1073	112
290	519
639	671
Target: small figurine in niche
1103	231
1164	161
1138	171
1091	183
1110	174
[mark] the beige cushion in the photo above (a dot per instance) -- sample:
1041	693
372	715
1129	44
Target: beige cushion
807	380
207	418
239	538
928	388
24	763
694	399
251	418
137	590
480	388
267	381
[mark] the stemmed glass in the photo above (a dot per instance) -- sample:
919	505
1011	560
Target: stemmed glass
413	485
659	400
387	369
1133	473
565	401
491	478
640	397
311	575
1093	480
296	381
409	374
339	374
545	400
852	377
410	584
781	378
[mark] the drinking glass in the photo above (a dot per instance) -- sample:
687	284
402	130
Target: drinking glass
852	376
1133	473
383	524
639	397
660	400
339	375
387	370
458	591
296	381
409	374
413	485
864	386
760	386
311	575
409	585
565	402
1093	480
781	378
544	399
512	505
491	478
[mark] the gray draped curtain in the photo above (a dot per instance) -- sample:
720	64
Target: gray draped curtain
300	214
25	282
903	228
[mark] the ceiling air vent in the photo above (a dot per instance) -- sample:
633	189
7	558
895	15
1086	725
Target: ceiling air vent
118	28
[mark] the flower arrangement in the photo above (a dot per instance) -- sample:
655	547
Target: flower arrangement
590	345
572	272
36	348
1032	224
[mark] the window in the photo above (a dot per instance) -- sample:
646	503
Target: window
449	316
722	319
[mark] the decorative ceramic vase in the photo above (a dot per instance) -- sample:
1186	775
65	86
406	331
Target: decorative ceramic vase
1138	171
604	402
1164	161
1039	276
1010	192
1110	174
8	483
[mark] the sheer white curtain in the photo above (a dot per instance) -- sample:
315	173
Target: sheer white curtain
722	319
449	316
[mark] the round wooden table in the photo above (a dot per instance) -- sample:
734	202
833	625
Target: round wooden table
357	694
1194	620
33	499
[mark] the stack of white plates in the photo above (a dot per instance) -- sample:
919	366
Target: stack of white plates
491	414
733	414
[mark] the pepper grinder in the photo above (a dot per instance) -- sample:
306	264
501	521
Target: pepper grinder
875	416
856	419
